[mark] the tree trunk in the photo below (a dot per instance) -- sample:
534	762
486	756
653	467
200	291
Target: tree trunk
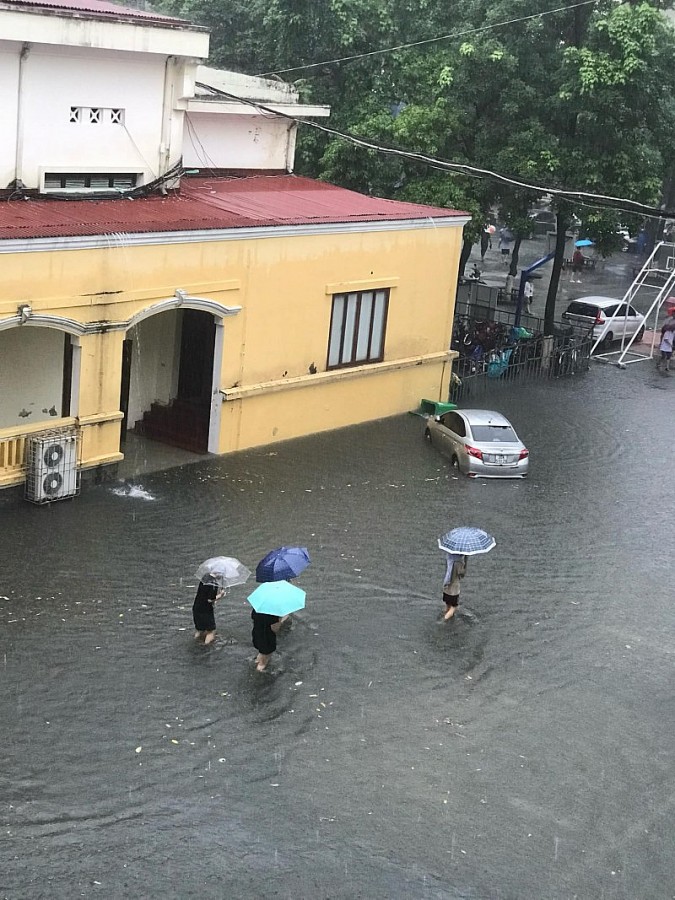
464	256
549	312
513	268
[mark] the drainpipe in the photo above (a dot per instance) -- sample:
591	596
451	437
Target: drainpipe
18	152
167	117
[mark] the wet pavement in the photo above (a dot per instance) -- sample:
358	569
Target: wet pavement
524	750
610	277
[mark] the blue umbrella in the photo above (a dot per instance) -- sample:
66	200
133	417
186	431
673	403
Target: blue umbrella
466	541
584	242
277	598
282	563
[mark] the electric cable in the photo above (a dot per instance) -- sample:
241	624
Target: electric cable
444	37
601	201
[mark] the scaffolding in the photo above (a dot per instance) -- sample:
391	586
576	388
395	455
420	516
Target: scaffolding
657	273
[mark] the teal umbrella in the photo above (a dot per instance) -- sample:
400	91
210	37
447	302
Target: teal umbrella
584	242
277	598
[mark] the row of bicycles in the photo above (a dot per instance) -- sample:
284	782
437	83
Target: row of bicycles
499	350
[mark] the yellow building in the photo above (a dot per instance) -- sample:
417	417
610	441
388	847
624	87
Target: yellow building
234	313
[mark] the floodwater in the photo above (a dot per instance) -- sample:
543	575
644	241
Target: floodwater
524	750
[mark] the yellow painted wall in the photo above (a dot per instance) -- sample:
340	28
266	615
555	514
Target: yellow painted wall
284	287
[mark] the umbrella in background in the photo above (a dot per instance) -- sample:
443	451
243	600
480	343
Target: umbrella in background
282	563
466	541
584	242
277	598
224	571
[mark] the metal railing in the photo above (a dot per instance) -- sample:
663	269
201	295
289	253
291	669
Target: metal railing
494	352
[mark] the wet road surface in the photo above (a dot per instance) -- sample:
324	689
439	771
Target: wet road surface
525	750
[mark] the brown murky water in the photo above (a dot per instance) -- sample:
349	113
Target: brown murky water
523	751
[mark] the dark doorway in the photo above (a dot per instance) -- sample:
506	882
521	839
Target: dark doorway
127	349
67	375
198	333
184	420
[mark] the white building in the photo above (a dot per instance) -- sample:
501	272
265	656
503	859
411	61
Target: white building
100	98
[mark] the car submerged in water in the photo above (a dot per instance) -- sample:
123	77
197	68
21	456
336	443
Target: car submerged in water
479	443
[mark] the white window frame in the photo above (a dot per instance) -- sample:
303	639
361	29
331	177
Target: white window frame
358	326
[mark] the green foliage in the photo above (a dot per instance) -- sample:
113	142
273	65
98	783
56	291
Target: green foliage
580	99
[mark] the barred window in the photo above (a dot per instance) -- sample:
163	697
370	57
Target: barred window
90	181
75	113
94	115
357	328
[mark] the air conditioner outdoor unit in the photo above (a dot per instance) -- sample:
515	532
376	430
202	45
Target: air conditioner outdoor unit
51	466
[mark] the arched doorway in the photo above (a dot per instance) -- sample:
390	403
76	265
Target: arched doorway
168	378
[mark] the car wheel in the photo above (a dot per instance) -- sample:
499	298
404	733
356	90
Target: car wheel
607	340
427	435
640	334
454	462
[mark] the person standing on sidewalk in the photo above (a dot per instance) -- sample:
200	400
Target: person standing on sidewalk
528	294
666	345
578	259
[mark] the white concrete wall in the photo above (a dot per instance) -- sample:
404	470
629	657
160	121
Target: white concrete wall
154	363
54	79
235	141
27	386
9	76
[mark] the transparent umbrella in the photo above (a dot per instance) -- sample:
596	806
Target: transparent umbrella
224	571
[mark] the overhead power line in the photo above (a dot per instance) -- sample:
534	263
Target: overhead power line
435	40
599	201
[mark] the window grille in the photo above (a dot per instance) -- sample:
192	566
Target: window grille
75	114
90	181
95	115
117	117
357	328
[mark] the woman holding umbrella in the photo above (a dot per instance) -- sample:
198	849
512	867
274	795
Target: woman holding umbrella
275	599
272	601
459	544
215	576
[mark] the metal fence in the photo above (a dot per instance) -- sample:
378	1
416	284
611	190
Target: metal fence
494	353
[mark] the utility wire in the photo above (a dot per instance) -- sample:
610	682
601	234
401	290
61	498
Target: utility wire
601	201
427	41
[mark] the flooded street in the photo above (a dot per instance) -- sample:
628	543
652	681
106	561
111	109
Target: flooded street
524	750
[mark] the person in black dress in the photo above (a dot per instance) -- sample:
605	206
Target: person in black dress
202	611
264	636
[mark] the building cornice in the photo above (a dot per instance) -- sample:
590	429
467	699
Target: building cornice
211	235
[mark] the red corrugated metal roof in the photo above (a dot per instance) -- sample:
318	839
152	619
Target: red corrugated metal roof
98	8
208	203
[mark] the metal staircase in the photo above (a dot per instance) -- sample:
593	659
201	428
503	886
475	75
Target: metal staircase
657	274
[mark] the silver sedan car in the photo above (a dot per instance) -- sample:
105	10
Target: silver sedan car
480	443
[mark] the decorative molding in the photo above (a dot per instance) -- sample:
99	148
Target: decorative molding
303	381
204	236
71	326
367	284
101	418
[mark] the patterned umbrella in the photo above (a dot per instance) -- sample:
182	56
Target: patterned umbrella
282	563
277	598
466	541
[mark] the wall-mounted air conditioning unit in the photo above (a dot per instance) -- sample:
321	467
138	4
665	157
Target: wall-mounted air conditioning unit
51	466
